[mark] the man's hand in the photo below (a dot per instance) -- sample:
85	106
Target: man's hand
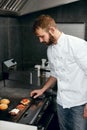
85	111
36	93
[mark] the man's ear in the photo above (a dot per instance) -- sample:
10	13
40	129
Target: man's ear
51	30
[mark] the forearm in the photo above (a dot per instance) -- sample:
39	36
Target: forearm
49	83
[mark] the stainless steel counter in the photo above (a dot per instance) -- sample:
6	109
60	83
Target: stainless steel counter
29	77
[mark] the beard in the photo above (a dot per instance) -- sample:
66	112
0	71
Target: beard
51	40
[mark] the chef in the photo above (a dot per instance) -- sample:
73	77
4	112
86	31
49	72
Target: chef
67	57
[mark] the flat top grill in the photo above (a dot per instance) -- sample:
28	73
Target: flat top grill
37	113
30	113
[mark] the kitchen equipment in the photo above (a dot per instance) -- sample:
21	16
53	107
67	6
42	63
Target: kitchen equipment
38	70
37	113
43	63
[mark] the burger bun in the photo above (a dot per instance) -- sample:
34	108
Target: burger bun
5	101
3	106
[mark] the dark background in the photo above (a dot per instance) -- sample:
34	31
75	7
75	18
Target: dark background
18	41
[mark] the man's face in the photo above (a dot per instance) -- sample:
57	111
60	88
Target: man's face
44	36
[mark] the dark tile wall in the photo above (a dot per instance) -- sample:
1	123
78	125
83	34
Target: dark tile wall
32	50
3	38
9	40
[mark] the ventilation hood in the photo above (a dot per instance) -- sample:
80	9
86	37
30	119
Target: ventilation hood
23	7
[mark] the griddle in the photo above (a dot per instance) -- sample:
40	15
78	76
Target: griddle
31	113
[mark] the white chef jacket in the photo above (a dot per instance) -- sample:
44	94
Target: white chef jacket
68	63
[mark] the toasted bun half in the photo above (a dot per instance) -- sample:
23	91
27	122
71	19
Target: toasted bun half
3	106
5	101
